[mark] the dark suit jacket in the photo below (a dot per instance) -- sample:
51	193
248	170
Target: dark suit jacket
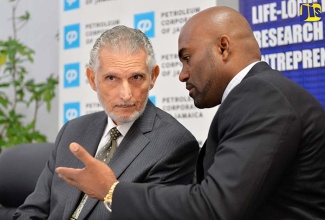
156	149
264	158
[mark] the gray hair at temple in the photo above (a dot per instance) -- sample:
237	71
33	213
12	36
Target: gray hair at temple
122	39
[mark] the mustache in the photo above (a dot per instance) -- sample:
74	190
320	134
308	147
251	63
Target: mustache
189	85
125	104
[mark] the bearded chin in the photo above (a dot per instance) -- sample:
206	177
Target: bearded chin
122	120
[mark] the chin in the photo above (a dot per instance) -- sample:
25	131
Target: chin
199	103
202	105
202	102
122	119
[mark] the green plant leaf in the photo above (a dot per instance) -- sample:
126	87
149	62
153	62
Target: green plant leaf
24	17
4	101
15	60
4	84
3	58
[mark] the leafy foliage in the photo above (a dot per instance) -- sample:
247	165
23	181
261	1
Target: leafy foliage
17	91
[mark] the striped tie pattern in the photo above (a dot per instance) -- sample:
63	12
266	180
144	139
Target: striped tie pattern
104	154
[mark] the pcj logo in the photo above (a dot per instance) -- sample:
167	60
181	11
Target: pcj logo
310	12
71	4
71	36
145	22
71	111
71	75
153	99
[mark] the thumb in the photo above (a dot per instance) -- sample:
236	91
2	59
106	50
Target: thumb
81	153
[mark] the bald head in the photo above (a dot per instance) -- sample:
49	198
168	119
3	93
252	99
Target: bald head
215	22
214	45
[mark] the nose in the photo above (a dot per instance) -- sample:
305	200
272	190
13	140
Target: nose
183	75
125	91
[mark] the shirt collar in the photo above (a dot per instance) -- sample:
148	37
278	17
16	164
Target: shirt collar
236	80
123	128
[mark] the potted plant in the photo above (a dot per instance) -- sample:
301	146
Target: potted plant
18	90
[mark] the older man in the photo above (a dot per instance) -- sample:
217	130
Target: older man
264	157
149	146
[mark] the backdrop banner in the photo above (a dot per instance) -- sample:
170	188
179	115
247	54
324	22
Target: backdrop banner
82	21
291	36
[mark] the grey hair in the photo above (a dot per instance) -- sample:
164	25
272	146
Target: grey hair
122	39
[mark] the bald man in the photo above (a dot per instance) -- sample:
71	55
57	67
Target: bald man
264	157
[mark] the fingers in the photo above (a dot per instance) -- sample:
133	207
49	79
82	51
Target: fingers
65	172
81	153
95	179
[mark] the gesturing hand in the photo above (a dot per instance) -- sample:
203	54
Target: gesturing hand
95	179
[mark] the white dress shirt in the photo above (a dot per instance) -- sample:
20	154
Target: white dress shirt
123	129
236	80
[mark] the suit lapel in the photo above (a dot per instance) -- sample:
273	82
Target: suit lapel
131	146
210	147
199	164
90	204
134	141
89	139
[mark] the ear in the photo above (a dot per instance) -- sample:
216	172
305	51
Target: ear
91	78
224	47
154	74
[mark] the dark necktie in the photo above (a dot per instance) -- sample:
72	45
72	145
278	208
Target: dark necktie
107	151
104	154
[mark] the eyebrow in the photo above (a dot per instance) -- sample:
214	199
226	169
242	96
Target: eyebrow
180	52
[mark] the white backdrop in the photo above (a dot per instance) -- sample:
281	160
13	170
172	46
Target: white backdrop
82	21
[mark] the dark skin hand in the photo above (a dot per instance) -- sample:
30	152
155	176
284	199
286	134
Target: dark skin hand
83	179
